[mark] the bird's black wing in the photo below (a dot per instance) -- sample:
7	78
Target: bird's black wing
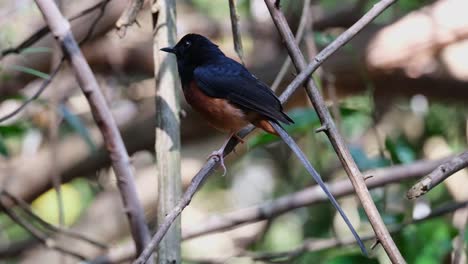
231	81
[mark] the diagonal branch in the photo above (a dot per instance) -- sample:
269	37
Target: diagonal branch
210	165
60	27
329	127
438	175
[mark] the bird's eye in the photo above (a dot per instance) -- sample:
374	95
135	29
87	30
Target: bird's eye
187	44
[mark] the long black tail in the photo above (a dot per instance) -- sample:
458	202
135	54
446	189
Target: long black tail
295	148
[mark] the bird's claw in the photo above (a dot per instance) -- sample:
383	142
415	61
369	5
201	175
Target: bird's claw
219	156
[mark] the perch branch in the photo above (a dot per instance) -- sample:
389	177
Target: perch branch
332	132
438	175
104	119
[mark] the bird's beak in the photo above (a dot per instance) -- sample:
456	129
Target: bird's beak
168	49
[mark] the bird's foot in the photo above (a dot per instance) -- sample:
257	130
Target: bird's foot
218	154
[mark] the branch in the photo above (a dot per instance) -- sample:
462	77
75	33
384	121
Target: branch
208	168
328	125
129	16
103	117
235	30
307	197
438	175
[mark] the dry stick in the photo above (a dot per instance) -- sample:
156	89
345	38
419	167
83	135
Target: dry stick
102	5
49	243
129	16
335	138
309	196
103	117
299	34
28	211
438	175
167	130
208	168
235	30
43	31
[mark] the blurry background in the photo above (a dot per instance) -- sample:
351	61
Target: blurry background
398	92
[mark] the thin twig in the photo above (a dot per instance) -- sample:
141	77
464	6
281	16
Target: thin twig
209	166
43	31
236	35
60	27
299	35
306	197
129	16
438	175
335	138
36	95
102	5
28	211
43	238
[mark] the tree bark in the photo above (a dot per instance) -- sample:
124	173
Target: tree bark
167	144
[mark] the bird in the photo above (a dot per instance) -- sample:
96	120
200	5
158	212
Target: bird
229	97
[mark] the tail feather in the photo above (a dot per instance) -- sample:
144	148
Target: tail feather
295	148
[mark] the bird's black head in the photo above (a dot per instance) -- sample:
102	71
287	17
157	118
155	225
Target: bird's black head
194	50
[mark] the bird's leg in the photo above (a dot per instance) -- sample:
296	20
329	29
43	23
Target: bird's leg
219	153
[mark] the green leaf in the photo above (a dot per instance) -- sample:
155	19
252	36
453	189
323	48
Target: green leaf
12	130
400	151
304	120
75	122
3	148
366	163
30	71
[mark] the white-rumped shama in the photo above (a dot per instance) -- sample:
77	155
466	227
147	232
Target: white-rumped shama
225	93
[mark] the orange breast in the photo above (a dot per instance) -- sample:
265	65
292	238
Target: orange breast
219	112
